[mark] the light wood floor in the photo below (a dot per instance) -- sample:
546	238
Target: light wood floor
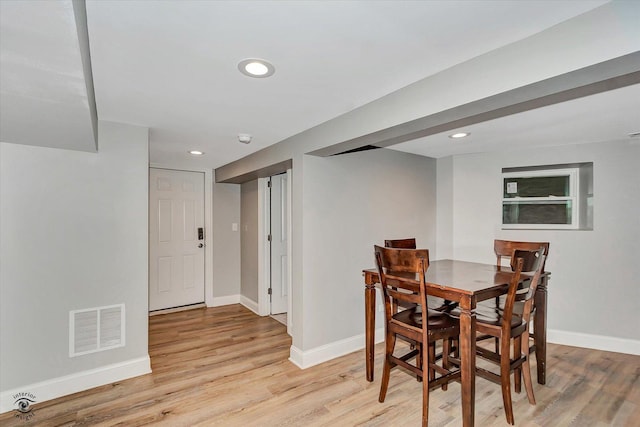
226	366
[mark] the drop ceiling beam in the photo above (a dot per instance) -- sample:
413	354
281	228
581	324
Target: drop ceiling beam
609	75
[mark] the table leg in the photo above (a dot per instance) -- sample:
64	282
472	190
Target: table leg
370	327
468	360
540	330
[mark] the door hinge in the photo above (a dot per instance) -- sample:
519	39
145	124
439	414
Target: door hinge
269	291
269	183
269	238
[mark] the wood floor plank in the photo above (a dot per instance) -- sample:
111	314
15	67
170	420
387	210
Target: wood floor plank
225	366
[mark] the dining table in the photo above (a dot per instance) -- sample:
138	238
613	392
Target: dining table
467	284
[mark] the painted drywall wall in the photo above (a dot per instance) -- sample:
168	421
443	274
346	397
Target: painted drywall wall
249	240
603	34
593	288
226	242
444	207
74	229
350	203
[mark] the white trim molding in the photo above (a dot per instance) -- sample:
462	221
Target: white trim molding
250	304
324	353
225	300
264	248
80	381
595	342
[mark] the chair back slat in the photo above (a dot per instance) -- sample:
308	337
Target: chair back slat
409	243
399	296
505	249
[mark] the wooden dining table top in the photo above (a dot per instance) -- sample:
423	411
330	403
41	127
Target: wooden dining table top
482	281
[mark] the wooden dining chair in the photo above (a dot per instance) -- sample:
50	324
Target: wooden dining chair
505	249
505	324
402	275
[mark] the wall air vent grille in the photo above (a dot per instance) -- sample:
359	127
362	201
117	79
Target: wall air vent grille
96	329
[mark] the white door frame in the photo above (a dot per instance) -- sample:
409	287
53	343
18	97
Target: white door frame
208	226
264	256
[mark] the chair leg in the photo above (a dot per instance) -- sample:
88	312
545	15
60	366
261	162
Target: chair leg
425	387
446	350
390	343
517	354
419	361
432	356
528	385
526	372
505	380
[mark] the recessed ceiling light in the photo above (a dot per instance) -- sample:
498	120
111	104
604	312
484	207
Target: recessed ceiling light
254	67
196	153
459	135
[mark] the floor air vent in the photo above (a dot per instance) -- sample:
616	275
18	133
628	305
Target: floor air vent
96	329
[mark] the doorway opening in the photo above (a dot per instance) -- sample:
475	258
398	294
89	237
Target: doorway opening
274	286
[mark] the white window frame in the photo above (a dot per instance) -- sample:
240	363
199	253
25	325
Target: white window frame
573	197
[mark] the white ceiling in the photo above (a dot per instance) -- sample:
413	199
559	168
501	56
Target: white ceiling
172	66
605	117
43	93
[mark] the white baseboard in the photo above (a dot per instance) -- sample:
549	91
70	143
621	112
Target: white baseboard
68	384
324	353
226	300
235	299
251	305
596	342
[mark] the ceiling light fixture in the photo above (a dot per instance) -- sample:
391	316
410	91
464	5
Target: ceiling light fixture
459	135
196	153
258	68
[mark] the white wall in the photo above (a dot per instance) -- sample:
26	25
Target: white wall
350	203
249	241
74	229
594	287
226	242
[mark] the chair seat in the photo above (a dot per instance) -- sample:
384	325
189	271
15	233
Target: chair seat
438	321
490	304
494	317
489	314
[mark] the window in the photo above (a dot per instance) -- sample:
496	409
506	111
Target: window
548	197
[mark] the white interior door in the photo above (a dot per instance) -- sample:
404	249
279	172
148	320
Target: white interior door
176	250
279	242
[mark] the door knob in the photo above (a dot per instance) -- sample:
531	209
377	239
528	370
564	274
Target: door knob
201	245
